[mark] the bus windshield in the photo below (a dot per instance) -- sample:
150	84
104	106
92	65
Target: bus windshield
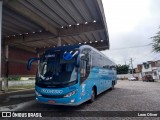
54	70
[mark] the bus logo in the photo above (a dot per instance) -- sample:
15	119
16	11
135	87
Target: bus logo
52	91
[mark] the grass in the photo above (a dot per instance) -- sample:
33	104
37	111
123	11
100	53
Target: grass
14	78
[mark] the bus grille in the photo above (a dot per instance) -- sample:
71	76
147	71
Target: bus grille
52	96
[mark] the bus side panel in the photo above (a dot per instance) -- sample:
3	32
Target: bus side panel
98	77
96	80
92	80
105	78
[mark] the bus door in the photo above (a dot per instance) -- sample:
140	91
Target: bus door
85	64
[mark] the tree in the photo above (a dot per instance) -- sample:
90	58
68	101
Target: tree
156	42
122	69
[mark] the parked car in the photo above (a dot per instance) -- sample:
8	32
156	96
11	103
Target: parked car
148	78
131	78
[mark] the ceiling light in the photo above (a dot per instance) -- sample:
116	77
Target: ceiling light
94	21
101	40
86	22
96	41
69	25
33	32
90	42
77	23
61	26
85	42
79	43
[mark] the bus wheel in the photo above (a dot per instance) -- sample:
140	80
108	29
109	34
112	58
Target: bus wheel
112	85
93	96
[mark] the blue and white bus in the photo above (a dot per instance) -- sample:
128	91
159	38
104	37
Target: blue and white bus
71	75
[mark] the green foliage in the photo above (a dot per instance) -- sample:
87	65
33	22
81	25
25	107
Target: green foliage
14	78
122	69
156	42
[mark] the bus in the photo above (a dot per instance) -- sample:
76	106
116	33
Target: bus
72	75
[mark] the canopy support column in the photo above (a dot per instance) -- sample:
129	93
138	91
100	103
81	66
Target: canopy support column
1	45
1	38
6	66
59	41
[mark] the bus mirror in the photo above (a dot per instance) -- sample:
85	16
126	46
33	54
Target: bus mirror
78	60
30	62
82	56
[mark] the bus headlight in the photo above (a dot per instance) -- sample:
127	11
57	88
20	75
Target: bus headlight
38	94
71	93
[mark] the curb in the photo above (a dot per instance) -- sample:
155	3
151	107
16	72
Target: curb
2	92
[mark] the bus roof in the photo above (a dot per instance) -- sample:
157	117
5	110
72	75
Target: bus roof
97	51
69	47
81	47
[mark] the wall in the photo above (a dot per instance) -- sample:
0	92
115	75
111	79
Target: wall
17	63
146	70
129	75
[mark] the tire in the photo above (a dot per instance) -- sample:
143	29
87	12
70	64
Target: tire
93	96
112	85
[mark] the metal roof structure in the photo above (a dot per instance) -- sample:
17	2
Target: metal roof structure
38	24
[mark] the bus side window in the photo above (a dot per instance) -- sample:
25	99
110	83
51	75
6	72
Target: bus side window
83	68
113	68
106	67
89	61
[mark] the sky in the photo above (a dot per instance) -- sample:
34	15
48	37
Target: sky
131	24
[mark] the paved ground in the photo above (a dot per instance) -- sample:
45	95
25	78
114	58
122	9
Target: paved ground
127	96
12	98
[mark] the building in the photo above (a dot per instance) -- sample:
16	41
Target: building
28	28
138	71
149	68
17	62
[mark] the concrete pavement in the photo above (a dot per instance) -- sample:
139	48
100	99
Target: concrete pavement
16	97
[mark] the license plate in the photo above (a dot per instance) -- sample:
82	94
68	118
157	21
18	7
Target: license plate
51	101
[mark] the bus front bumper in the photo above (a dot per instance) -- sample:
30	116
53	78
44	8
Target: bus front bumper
62	101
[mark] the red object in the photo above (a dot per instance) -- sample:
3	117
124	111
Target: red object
148	78
51	101
17	62
136	78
